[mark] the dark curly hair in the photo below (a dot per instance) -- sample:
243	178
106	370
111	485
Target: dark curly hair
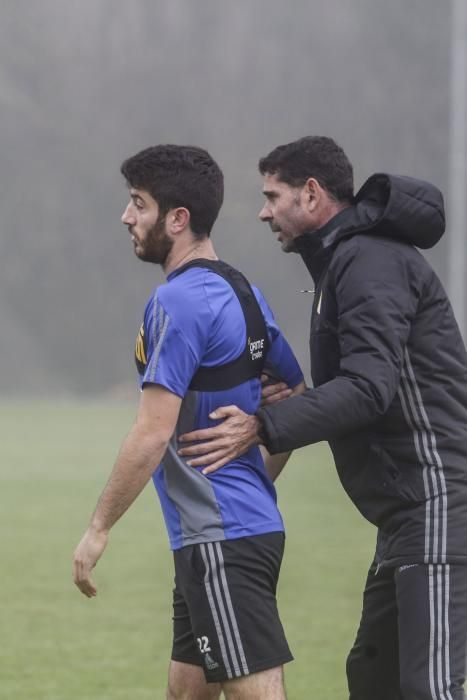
312	156
179	176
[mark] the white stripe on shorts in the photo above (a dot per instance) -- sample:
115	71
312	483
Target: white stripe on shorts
217	590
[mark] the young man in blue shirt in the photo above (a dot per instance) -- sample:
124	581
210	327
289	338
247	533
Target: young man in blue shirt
205	340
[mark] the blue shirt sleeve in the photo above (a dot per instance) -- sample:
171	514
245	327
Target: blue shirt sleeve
176	342
280	358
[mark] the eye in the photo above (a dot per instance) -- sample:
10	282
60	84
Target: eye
138	203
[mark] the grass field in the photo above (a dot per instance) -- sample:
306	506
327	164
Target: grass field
58	645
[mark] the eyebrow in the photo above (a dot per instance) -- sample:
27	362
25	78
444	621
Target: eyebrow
269	193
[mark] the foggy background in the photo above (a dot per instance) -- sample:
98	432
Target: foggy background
84	85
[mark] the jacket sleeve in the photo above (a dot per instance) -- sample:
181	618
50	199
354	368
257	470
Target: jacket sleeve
377	294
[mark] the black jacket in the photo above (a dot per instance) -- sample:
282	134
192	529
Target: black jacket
389	370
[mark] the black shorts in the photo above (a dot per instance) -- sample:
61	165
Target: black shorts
225	610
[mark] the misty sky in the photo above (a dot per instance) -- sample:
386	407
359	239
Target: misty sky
84	85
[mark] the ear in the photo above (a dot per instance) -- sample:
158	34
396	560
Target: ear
312	192
177	220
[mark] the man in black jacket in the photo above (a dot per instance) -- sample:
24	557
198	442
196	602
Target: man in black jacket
389	369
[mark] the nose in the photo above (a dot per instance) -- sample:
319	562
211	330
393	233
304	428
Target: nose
128	217
265	214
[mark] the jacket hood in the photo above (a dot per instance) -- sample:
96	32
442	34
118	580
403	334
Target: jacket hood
402	207
393	206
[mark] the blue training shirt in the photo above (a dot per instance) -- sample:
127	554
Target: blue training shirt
196	319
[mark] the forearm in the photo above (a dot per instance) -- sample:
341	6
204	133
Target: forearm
139	455
274	463
336	408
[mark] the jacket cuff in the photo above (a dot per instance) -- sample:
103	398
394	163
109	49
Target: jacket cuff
267	432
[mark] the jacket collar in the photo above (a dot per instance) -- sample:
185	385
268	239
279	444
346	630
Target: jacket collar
389	206
316	247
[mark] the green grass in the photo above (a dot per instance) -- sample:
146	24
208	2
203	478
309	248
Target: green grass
58	645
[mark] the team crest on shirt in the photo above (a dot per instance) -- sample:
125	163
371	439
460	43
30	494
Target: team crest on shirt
140	351
256	348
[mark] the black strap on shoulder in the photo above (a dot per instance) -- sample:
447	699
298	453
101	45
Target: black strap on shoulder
251	362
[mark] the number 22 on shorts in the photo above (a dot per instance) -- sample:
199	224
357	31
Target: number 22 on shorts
203	643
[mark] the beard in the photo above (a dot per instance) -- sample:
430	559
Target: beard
156	246
289	246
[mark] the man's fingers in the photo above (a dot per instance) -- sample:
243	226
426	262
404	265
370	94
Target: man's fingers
85	558
225	412
203	448
82	579
84	583
275	397
193	450
210	457
214	447
205	434
272	393
87	588
272	389
210	433
217	465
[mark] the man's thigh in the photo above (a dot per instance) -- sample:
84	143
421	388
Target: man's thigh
432	603
373	665
187	682
229	589
184	647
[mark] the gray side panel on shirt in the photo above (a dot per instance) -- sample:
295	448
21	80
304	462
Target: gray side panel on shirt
191	492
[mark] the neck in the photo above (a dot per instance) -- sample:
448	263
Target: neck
331	210
179	256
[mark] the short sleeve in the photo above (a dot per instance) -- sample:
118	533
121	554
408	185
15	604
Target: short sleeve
172	355
280	359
